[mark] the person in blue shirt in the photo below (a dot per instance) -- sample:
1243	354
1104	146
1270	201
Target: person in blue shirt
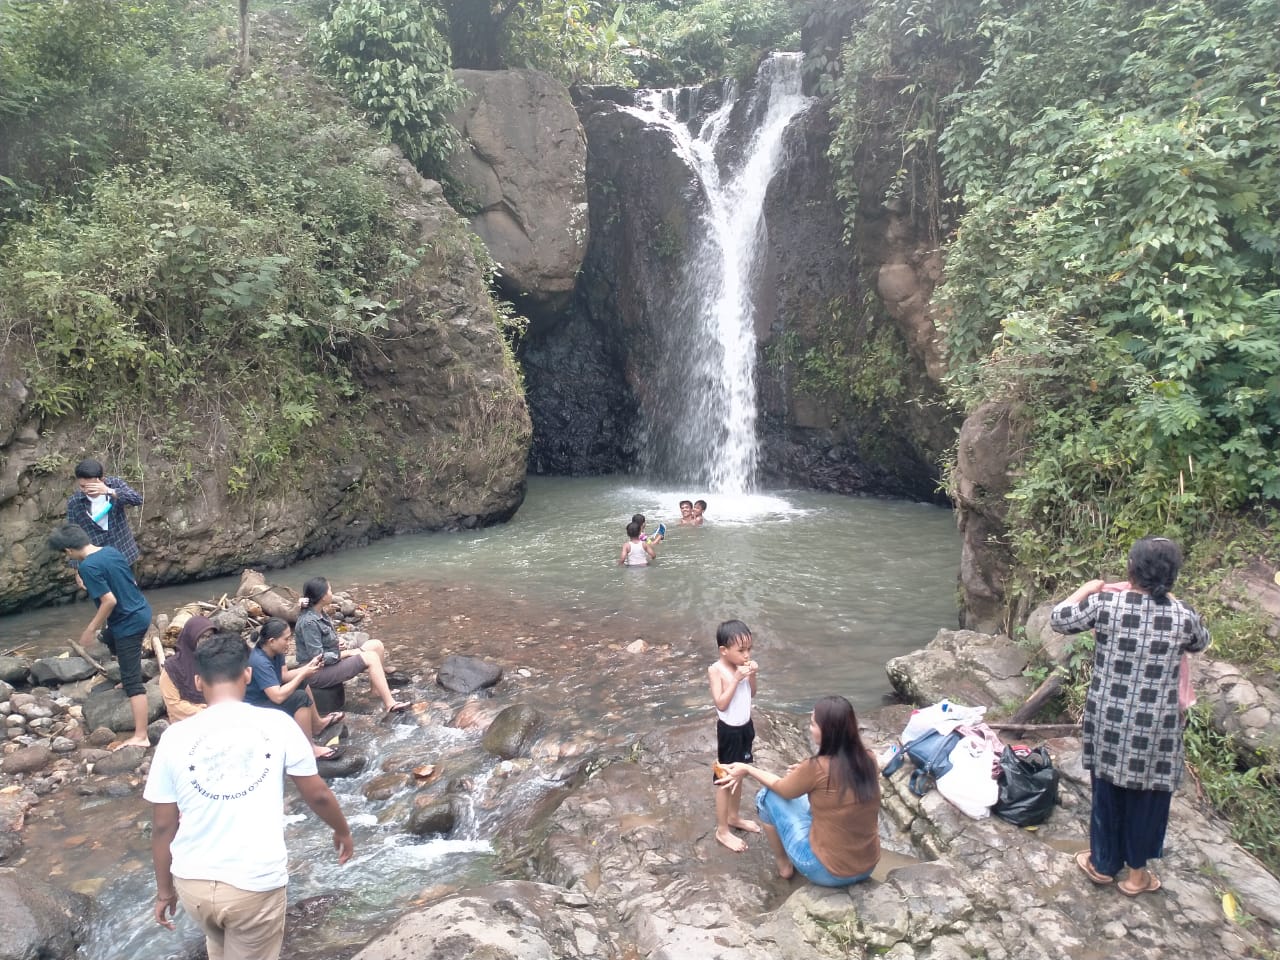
275	686
123	616
97	508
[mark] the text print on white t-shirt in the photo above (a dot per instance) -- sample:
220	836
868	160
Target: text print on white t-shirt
222	768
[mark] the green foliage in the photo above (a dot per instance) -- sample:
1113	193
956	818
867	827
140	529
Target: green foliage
1250	796
1116	268
576	41
392	59
678	41
216	256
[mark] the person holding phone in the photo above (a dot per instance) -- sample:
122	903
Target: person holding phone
274	685
97	508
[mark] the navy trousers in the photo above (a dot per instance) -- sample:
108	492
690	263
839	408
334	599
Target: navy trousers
1126	826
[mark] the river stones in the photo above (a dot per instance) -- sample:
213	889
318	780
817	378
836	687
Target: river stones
14	669
513	731
513	920
385	786
476	715
110	708
38	919
60	670
467	674
27	759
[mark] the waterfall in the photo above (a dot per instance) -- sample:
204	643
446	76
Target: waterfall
699	413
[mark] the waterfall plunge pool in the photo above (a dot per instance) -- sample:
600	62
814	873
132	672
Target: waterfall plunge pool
831	586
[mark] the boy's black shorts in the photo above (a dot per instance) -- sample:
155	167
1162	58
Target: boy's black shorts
733	744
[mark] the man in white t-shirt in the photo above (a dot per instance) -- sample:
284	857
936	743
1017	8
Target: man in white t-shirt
217	786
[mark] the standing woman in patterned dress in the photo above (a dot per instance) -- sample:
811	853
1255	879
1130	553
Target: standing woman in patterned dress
1132	723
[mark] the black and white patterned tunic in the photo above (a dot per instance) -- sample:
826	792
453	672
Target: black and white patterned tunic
1132	728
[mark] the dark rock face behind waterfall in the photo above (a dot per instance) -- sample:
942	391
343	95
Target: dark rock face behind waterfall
590	370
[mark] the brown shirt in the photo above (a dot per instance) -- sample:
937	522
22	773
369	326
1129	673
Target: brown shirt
845	834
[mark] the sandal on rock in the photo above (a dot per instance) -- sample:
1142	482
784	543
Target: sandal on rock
1151	886
1085	862
399	707
336	717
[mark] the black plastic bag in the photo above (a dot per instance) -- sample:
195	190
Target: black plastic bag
1028	787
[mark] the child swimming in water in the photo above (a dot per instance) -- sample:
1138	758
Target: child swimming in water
635	552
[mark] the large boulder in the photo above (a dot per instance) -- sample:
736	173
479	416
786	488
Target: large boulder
513	731
971	668
14	669
467	674
522	170
111	709
39	920
512	920
59	670
1241	707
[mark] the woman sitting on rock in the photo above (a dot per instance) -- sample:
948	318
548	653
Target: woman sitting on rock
315	636
274	686
182	698
822	817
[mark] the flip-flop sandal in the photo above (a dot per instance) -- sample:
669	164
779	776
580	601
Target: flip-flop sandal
399	707
336	717
1085	862
1153	884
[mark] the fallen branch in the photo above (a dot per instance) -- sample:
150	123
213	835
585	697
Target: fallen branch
158	647
1045	728
1043	694
83	654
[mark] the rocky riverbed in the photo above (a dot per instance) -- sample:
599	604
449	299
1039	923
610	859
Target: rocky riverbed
587	761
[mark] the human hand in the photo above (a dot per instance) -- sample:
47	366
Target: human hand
731	775
89	636
96	488
313	665
345	846
166	907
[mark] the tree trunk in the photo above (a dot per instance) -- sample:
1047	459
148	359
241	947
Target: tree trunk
244	37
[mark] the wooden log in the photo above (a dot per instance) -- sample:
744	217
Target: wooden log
1042	695
80	651
158	647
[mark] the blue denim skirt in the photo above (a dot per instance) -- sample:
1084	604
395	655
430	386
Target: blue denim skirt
792	819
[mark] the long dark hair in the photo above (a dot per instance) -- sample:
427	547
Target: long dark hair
838	738
1154	563
313	592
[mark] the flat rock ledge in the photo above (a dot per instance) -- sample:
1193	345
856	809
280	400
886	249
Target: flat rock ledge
627	867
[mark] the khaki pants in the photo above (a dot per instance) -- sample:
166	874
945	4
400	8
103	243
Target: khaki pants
237	924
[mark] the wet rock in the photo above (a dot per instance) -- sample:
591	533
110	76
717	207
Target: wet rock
637	646
27	759
101	737
513	731
523	166
60	670
110	708
431	813
124	760
385	786
514	920
476	714
347	764
14	670
39	920
967	667
467	674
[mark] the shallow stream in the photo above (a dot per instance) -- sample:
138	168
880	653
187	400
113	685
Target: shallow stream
832	587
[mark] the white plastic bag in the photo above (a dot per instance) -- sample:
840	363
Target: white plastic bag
943	717
969	784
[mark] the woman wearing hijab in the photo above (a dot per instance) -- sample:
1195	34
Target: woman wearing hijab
178	678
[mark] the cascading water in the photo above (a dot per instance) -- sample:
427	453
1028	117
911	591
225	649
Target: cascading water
699	410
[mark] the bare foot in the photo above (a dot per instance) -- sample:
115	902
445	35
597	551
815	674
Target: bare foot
132	742
398	706
748	825
786	869
735	844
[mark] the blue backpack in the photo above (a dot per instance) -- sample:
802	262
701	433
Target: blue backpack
931	755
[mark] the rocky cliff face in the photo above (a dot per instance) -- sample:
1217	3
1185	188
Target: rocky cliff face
521	170
439	439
